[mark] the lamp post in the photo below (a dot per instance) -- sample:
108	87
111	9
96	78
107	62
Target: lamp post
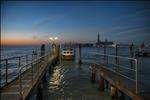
54	47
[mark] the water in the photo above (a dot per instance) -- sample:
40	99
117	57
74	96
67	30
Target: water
71	81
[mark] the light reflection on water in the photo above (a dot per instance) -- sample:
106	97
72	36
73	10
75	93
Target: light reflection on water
56	78
71	81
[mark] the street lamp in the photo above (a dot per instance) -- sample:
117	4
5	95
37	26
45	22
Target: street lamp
54	47
53	39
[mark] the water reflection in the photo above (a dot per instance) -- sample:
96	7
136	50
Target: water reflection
71	81
56	78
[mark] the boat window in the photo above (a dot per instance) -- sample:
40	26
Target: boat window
64	51
68	52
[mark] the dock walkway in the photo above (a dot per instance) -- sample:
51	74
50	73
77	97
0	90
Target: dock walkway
23	84
121	83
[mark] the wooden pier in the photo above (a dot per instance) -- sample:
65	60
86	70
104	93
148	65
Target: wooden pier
123	79
28	80
120	83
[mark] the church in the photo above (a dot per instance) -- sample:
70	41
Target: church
100	43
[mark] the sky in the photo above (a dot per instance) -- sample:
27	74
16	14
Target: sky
33	22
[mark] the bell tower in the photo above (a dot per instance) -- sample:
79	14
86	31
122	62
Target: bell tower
98	38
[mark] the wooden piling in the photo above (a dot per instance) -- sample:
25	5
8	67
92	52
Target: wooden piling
101	83
93	70
45	77
131	53
50	70
106	84
39	93
122	97
80	53
117	53
113	92
104	53
42	52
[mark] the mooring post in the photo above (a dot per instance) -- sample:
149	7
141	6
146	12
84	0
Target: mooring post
116	59
6	71
106	84
122	95
50	69
104	53
39	92
101	83
42	52
93	71
32	64
80	53
45	77
113	92
131	53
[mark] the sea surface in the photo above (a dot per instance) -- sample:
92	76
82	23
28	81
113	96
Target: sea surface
72	75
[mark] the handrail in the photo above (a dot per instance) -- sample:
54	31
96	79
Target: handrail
113	56
32	72
13	57
24	59
118	66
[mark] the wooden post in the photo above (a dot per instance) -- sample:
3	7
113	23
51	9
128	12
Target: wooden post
105	54
122	96
80	61
131	53
42	52
116	59
113	92
45	77
106	84
6	70
39	93
101	83
50	69
93	70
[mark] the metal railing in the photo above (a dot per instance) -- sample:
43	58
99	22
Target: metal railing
33	69
122	66
10	66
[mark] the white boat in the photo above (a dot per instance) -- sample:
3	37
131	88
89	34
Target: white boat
67	54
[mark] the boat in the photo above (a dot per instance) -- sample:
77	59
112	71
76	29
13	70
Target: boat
143	51
67	54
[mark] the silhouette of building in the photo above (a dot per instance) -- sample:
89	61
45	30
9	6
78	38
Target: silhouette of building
101	43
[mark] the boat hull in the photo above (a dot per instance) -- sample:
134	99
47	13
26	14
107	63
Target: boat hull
68	57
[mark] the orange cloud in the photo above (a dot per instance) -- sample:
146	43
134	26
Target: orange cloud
21	41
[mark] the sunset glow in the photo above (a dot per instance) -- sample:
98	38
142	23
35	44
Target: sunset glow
22	41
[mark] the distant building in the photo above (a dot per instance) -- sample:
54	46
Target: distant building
100	43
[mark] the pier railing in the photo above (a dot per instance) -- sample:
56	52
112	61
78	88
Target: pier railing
10	66
32	71
123	66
